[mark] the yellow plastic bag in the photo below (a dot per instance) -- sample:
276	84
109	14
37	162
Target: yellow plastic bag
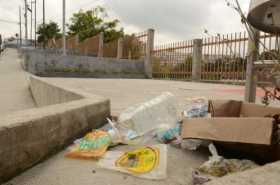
142	160
145	162
93	146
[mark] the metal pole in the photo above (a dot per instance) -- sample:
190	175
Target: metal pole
25	15
251	79
31	26
44	22
63	24
35	26
20	31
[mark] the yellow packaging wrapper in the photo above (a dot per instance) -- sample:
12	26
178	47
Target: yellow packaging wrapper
93	146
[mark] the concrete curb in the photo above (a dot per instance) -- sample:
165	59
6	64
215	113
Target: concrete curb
29	137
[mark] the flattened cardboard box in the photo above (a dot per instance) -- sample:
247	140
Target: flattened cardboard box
243	126
241	130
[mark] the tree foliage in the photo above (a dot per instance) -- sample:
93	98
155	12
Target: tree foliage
89	23
48	31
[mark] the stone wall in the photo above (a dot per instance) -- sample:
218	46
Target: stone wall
28	137
46	63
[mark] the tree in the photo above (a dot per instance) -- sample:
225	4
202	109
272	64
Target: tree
48	31
92	22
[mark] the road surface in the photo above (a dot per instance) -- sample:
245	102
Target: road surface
14	92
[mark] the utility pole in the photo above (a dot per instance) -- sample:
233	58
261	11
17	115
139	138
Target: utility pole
35	26
44	22
63	25
25	16
20	32
31	20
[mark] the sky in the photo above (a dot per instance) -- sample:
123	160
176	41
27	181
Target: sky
173	20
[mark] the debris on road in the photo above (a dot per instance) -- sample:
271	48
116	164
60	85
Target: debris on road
217	166
170	136
157	121
196	108
232	130
93	146
143	162
160	112
230	127
199	179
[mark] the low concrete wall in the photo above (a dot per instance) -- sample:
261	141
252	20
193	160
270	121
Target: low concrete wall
45	63
30	136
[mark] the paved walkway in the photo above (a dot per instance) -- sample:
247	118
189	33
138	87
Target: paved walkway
127	92
59	171
14	92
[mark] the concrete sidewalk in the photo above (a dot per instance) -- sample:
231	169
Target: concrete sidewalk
127	92
59	170
14	92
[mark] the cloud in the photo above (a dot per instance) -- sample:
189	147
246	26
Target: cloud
172	19
178	19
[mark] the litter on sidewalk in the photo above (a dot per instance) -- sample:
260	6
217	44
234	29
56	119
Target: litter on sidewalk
93	146
196	108
143	162
160	112
234	126
217	166
238	127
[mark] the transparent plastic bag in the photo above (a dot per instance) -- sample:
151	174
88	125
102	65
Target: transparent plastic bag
217	166
170	136
196	107
160	112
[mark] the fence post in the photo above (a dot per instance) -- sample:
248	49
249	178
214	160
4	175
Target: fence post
149	51
197	59
120	48
101	45
251	78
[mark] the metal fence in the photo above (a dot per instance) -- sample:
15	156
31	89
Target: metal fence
224	57
173	61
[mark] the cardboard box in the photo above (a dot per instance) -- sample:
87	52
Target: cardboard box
237	126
